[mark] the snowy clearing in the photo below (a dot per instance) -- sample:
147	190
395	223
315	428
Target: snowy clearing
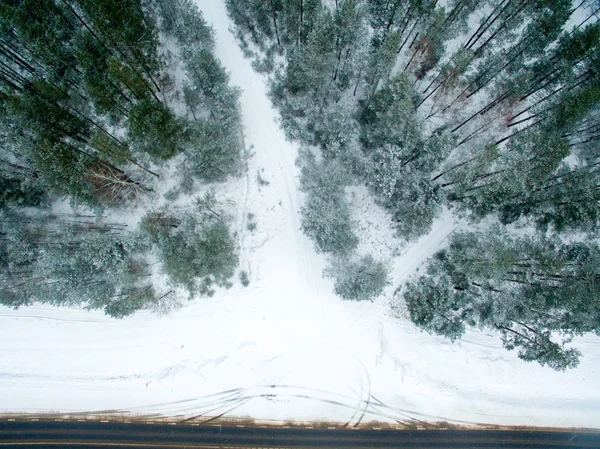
285	347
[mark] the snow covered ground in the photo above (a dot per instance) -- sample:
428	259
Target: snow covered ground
284	347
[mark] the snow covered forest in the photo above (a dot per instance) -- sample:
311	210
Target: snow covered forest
304	210
101	101
121	134
490	108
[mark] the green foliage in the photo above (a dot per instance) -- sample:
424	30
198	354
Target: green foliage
576	107
537	346
125	24
20	189
71	262
325	213
360	280
212	153
196	249
81	98
389	116
505	129
212	141
66	74
254	17
184	20
197	259
535	291
130	301
251	226
530	181
154	129
400	156
244	278
261	181
335	132
566	201
308	67
73	68
415	203
435	307
104	89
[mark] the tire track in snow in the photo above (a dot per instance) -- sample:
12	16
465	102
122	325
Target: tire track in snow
220	404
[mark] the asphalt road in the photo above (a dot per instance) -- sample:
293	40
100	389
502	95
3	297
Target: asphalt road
95	434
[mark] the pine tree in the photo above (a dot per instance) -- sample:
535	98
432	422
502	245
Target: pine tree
212	137
325	214
196	249
529	289
298	19
70	261
400	155
154	130
361	280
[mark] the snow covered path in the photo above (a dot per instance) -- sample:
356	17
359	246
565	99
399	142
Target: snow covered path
284	347
287	253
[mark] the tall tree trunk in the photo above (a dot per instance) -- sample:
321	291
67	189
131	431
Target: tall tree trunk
275	23
477	34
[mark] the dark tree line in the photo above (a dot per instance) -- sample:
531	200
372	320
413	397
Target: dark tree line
74	71
70	72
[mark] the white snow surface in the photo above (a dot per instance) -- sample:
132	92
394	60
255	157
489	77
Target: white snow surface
285	347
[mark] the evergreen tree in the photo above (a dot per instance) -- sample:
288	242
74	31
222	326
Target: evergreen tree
400	155
81	98
57	64
154	130
370	84
212	141
298	20
532	290
257	17
360	280
196	249
68	261
325	213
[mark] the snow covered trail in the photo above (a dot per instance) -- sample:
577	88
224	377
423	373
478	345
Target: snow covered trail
418	251
287	253
284	347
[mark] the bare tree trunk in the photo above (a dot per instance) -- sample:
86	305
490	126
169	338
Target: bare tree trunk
275	23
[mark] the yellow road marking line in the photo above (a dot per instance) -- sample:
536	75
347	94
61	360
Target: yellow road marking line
106	444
